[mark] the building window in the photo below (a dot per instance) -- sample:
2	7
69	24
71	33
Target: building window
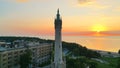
10	53
4	59
15	52
4	55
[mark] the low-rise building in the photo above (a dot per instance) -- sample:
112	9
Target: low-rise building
9	57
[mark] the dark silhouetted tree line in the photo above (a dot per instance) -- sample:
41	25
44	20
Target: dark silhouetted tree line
119	51
76	49
79	50
80	63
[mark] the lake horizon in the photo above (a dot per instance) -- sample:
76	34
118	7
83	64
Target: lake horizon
105	43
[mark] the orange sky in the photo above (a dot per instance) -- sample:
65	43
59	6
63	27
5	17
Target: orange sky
96	19
80	17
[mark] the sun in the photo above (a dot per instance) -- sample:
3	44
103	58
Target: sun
98	28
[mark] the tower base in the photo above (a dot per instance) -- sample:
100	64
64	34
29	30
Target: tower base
59	65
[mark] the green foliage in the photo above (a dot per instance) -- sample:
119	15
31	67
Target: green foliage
118	51
45	63
25	59
118	63
13	38
74	63
109	52
81	62
79	50
111	62
92	64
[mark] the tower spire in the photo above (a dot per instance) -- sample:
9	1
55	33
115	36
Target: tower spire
58	11
58	15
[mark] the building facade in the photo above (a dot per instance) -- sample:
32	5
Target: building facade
9	57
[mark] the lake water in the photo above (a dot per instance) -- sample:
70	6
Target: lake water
107	43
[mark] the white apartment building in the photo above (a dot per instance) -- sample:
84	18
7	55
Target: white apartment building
9	57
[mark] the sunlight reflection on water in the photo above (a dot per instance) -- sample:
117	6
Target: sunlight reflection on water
108	43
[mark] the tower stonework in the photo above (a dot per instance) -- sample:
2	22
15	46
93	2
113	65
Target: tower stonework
58	58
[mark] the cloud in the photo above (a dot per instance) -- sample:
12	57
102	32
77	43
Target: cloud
22	0
86	1
92	4
31	0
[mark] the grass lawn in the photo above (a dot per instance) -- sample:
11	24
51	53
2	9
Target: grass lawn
108	62
112	62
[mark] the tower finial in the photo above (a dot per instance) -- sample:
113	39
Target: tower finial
58	15
58	11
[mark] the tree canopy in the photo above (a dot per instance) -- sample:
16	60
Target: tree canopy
79	50
25	59
119	51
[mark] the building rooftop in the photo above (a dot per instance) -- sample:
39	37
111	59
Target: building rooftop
2	49
28	44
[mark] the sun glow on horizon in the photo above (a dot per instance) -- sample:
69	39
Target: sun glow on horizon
98	28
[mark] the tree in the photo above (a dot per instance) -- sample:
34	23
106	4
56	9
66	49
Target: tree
92	64
109	52
118	63
25	59
76	63
119	51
